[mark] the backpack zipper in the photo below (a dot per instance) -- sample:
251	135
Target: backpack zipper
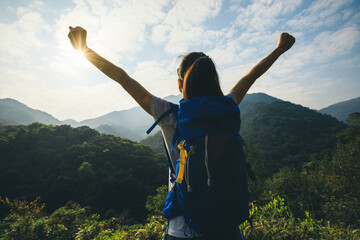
187	161
187	176
207	161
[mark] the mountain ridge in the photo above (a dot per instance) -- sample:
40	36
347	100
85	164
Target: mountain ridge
341	110
130	123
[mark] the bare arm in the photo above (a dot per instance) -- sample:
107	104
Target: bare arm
77	38
243	85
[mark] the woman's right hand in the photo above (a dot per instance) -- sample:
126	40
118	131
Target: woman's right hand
285	42
77	38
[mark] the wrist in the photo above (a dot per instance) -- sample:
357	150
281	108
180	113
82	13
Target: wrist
86	50
279	50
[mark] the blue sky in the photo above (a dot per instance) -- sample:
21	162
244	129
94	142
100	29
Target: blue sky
39	67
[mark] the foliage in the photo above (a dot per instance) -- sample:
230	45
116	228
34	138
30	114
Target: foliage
61	164
328	184
27	221
285	134
155	142
156	203
271	220
275	220
119	180
22	208
24	220
354	119
282	133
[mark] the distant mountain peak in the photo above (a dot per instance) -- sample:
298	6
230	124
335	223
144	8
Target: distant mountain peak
260	97
342	109
14	112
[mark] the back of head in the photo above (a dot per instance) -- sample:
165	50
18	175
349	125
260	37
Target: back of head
199	76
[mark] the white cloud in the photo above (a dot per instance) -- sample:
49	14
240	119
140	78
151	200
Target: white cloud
145	36
320	13
22	35
326	47
183	25
115	29
159	78
331	44
261	15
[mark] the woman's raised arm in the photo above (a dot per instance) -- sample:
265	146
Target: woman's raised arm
243	85
77	38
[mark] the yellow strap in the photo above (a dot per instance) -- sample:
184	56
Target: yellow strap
183	155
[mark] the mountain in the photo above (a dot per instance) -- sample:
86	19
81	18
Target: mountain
258	97
279	133
174	98
131	123
134	122
71	122
13	112
119	131
342	110
155	141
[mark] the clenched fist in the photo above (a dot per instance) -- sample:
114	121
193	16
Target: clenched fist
77	38
285	42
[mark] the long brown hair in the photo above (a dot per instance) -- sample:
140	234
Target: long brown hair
198	73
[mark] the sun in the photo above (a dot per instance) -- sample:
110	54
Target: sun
76	58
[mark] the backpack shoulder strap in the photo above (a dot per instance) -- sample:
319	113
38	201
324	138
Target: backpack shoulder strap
172	170
174	108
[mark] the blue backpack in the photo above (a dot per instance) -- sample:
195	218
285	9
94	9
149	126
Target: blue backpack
210	189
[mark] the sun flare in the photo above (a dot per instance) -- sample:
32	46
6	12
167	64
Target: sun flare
77	58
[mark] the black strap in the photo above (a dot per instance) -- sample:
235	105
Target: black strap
250	172
172	171
174	108
158	120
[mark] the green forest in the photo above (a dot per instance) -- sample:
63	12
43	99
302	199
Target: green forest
59	182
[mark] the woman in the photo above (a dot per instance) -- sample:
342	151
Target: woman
197	77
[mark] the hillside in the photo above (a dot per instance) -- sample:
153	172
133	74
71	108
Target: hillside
13	112
155	142
61	164
95	186
285	134
131	123
281	133
342	110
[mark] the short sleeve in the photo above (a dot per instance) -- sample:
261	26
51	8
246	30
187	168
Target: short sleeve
232	96
158	107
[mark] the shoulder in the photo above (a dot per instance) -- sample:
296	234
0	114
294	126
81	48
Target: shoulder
160	106
232	96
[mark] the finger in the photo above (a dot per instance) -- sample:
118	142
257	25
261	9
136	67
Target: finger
292	38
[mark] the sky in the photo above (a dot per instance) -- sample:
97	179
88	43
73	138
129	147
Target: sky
39	67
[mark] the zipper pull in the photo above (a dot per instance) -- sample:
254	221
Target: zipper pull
187	175
207	161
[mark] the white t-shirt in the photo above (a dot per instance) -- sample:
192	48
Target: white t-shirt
177	226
